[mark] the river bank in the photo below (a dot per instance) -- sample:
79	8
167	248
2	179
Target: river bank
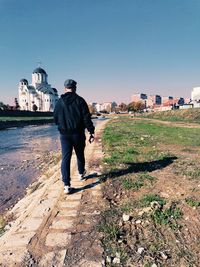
25	154
5	124
46	225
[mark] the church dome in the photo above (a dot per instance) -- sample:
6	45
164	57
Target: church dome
39	70
24	81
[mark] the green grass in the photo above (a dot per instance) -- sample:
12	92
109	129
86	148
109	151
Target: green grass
167	216
193	174
190	115
126	140
128	206
141	179
129	184
145	176
192	202
146	200
23	118
110	230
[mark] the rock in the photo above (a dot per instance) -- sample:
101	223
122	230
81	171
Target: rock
147	209
140	213
154	265
117	254
108	259
155	205
138	221
2	169
163	255
126	217
7	227
120	224
116	260
144	210
140	250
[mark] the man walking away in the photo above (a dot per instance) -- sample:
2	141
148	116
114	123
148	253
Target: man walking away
72	116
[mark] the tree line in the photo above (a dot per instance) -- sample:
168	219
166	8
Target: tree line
131	107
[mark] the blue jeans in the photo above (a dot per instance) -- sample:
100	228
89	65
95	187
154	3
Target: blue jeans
68	142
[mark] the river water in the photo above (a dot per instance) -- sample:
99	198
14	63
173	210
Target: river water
22	151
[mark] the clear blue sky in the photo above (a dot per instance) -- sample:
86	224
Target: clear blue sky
112	48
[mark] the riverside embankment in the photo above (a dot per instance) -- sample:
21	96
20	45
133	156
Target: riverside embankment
21	118
5	124
49	228
26	153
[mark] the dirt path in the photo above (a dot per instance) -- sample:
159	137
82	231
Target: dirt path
52	229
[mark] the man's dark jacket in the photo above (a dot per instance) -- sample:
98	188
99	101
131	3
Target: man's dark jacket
72	115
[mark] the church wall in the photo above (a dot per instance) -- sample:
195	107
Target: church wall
29	97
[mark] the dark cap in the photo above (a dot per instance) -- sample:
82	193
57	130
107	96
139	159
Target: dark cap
71	84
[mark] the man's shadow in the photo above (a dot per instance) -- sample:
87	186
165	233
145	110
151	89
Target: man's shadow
131	168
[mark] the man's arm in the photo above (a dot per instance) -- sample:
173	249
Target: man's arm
56	112
87	118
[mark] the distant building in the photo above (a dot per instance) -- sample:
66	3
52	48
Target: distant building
195	95
186	106
167	100
39	94
106	106
181	101
187	100
153	100
138	97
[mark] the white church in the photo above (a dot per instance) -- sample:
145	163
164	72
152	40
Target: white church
39	94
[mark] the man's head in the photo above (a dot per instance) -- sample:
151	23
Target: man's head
70	85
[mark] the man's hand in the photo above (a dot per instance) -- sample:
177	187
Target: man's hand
91	139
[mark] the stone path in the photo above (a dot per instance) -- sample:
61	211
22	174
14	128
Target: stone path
45	219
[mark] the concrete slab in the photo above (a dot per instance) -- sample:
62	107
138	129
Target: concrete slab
31	224
55	258
16	240
13	256
58	239
69	204
62	224
66	212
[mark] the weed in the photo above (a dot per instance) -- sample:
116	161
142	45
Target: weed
149	264
191	201
2	225
131	150
129	184
127	207
110	229
167	216
146	200
193	174
142	179
145	176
